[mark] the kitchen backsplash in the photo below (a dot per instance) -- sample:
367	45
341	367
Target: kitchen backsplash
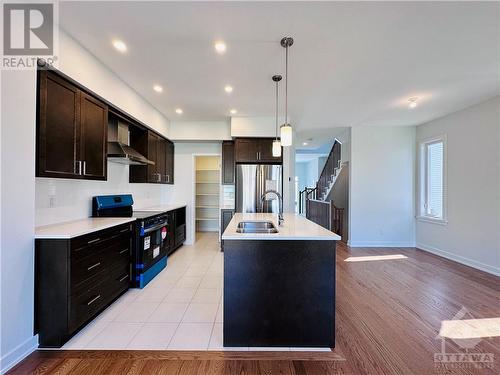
59	200
227	196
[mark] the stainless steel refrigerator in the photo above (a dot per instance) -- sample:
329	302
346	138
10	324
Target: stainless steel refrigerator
252	180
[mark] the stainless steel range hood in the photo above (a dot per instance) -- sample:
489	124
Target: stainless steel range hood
119	150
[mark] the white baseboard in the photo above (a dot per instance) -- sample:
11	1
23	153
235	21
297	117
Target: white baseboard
379	244
17	354
460	259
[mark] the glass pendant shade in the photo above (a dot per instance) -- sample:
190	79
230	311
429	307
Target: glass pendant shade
286	135
276	148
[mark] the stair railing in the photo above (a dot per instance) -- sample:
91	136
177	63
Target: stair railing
332	162
304	195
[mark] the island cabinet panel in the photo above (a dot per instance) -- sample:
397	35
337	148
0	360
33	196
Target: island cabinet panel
75	279
71	130
279	293
228	163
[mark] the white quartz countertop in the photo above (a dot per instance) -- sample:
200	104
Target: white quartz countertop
77	228
162	207
295	227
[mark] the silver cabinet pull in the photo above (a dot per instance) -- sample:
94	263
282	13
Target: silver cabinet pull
125	230
93	300
84	167
123	278
94	266
168	177
93	241
123	251
78	166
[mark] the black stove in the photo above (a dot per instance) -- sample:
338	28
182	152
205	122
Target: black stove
152	239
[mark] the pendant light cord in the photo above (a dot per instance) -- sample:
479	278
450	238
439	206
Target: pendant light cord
286	86
276	110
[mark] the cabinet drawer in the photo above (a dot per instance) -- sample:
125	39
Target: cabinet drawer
100	258
119	280
86	245
84	305
180	234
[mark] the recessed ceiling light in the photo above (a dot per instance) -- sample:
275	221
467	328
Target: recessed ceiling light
178	111
220	47
412	102
233	111
120	45
228	89
304	143
158	88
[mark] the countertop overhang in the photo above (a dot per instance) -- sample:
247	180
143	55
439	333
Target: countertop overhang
295	227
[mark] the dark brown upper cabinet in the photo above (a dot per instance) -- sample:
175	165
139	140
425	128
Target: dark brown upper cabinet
71	131
169	162
94	118
228	163
255	150
266	151
157	149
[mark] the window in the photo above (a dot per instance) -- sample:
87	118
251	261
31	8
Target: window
433	182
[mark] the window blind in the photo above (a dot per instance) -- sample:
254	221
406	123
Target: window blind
435	156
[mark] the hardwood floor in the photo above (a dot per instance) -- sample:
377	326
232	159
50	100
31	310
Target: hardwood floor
389	313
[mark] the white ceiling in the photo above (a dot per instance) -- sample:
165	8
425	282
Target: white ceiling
351	64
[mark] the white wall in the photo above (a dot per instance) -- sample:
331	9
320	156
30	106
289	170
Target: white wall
381	198
184	165
200	130
253	127
64	200
82	66
472	235
18	103
17	164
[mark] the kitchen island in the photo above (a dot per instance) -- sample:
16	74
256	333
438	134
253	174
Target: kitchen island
279	287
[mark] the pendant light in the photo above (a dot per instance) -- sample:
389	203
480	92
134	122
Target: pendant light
276	142
286	129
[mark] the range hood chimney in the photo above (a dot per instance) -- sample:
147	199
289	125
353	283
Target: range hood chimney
119	150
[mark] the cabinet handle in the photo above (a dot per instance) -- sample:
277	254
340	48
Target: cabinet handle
78	166
123	251
93	300
93	241
94	266
124	230
168	177
84	167
123	278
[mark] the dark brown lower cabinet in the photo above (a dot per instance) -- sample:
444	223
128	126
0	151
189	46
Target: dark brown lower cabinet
225	217
75	279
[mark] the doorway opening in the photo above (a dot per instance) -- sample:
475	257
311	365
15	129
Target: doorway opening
207	190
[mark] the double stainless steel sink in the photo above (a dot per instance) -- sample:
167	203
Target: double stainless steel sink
264	227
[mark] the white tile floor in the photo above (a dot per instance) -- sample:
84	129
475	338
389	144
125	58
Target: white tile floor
181	309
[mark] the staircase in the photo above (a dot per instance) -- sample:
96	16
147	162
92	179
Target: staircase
330	172
318	205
